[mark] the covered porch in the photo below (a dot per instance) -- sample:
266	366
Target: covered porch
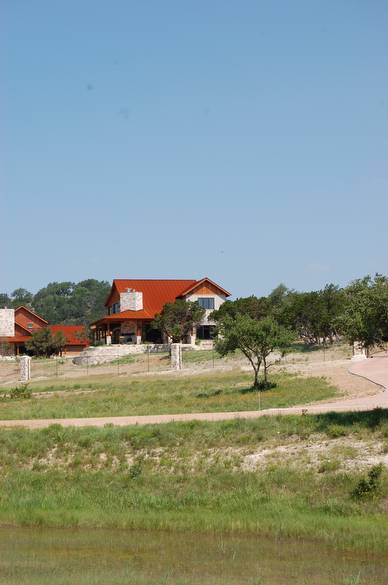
117	330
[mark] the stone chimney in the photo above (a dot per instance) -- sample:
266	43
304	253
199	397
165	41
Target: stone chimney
7	322
131	300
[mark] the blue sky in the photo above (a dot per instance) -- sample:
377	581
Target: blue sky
243	140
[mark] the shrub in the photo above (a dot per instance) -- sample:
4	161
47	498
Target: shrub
17	393
329	465
335	431
368	486
135	470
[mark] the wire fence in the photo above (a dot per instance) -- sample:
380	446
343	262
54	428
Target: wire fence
87	367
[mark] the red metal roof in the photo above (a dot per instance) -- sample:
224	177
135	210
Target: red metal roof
127	315
156	293
70	332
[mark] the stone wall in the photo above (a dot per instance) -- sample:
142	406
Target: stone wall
7	323
108	353
131	301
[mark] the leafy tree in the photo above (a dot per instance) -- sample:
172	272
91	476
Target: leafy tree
278	295
178	319
257	339
44	343
253	307
313	315
21	296
70	303
58	342
5	300
53	302
365	315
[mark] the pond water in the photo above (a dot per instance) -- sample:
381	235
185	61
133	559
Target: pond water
123	557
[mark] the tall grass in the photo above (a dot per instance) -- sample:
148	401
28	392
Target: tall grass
190	476
229	391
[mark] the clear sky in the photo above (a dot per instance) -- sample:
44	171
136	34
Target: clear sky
242	140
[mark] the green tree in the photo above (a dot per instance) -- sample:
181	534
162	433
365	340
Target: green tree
58	342
5	300
72	303
44	343
253	307
313	315
257	339
21	296
178	319
365	315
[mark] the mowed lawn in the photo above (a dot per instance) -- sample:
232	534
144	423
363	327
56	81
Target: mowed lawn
213	392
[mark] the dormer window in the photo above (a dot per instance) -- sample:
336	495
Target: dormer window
30	325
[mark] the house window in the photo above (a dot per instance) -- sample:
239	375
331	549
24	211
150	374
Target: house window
206	302
205	332
116	308
30	325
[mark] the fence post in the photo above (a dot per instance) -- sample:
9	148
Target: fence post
25	368
176	356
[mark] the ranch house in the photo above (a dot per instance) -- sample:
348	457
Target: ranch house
133	304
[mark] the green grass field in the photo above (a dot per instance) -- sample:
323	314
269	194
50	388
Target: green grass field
104	396
194	476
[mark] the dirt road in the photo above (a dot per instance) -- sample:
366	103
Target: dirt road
375	370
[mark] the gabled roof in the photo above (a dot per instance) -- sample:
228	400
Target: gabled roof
30	311
198	283
156	293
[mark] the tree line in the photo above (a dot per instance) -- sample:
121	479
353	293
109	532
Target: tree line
258	326
255	325
63	303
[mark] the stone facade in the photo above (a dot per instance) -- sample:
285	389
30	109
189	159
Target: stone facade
131	301
218	301
7	322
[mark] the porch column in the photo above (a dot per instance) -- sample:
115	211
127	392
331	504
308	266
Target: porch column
138	332
108	336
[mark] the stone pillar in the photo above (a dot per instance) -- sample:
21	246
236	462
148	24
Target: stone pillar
176	356
359	352
25	368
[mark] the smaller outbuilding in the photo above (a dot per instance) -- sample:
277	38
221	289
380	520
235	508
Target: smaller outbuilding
18	325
